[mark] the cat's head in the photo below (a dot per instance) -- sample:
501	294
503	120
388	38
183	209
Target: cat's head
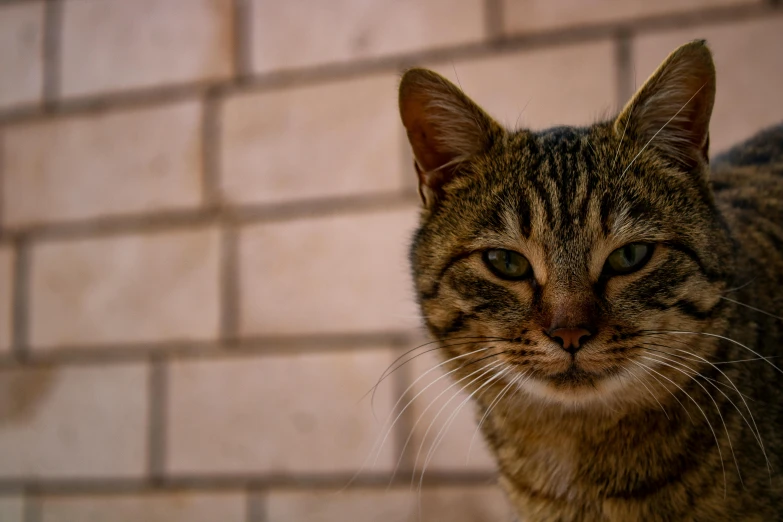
558	257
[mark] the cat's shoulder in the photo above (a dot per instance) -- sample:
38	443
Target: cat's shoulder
750	175
764	150
747	181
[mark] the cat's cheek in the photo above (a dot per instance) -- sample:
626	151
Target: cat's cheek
435	317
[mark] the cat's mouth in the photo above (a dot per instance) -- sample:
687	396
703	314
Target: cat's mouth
557	368
574	377
575	385
577	376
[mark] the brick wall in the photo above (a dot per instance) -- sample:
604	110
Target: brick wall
205	207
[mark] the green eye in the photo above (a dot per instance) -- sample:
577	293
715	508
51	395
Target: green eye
628	258
507	264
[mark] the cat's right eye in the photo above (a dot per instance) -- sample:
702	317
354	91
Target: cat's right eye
507	264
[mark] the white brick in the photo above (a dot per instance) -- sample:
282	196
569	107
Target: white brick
113	45
152	287
276	414
455	504
316	32
73	422
147	507
6	297
336	274
464	504
395	505
540	15
21	53
337	139
116	163
11	509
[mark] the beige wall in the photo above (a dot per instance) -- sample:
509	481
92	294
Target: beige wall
205	213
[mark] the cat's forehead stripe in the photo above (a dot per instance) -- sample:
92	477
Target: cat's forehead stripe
558	171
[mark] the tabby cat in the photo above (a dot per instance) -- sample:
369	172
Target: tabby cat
610	298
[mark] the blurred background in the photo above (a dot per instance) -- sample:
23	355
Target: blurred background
205	210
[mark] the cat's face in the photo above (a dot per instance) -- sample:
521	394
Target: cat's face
563	259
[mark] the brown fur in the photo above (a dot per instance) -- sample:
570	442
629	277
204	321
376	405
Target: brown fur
637	424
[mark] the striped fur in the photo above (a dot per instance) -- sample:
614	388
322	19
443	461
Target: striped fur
619	431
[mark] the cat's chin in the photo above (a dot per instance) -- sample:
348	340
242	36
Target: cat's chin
577	387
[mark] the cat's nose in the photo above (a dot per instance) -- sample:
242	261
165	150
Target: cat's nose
571	339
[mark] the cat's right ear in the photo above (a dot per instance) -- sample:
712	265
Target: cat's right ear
445	128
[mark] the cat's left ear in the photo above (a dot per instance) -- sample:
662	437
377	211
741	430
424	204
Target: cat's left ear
671	112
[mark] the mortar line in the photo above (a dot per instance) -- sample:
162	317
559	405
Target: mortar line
494	15
21	299
115	225
351	205
210	151
52	63
247	347
156	429
2	186
402	378
243	39
229	284
31	507
623	57
256	509
233	482
88	105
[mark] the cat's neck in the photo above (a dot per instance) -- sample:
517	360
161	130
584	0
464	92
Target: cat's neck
558	452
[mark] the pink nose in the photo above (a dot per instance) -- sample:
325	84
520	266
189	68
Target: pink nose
570	338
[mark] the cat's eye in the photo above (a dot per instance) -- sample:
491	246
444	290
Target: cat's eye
628	258
507	264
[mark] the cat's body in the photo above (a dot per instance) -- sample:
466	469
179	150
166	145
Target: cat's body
594	368
629	465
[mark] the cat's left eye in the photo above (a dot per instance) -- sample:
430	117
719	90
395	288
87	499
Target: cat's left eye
508	264
628	258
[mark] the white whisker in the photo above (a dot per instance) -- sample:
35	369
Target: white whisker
730	290
659	130
625	128
766	359
651	395
433	401
659	360
487	370
404	393
494	402
759	310
644	368
715	435
442	432
753	429
646	345
391	426
742	397
391	369
377	447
